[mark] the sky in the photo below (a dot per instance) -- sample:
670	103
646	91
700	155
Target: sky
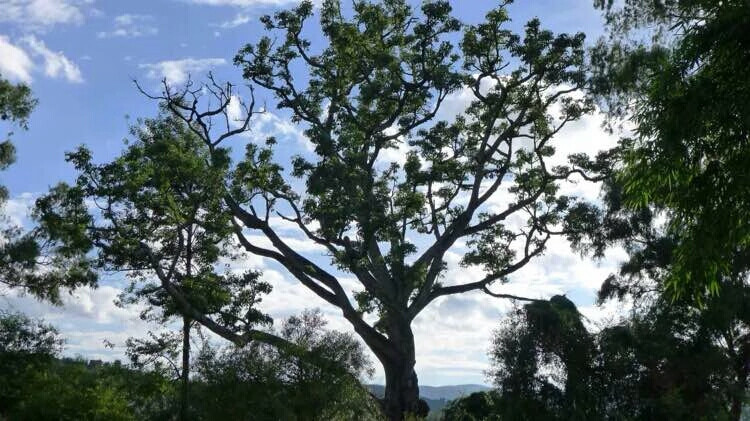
80	58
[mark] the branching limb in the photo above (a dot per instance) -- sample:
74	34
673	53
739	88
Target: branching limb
184	104
510	296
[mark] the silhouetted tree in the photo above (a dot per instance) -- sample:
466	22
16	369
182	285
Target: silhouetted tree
666	361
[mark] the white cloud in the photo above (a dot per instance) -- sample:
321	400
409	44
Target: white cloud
300	245
131	26
395	154
238	20
284	225
268	124
235	112
85	319
15	64
40	14
55	63
177	71
453	333
18	209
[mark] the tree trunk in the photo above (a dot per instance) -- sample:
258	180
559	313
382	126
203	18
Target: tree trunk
402	393
742	370
184	398
185	375
401	384
739	395
735	413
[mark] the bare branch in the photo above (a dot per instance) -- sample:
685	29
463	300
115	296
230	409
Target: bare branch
511	296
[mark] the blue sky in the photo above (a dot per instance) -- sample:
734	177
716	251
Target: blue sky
108	43
80	56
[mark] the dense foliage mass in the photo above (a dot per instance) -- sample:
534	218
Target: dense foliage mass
35	384
258	382
667	362
262	382
674	70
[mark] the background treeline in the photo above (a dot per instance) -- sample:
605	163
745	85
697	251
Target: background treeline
252	383
667	361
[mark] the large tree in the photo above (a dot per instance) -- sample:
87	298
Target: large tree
378	81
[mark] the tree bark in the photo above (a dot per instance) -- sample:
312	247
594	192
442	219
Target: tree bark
185	375
738	397
402	393
735	413
401	383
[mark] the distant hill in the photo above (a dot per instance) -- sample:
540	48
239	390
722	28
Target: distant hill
450	392
437	396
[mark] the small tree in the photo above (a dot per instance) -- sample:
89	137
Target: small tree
380	80
163	226
543	363
263	382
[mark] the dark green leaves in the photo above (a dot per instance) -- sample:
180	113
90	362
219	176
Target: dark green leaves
690	148
16	102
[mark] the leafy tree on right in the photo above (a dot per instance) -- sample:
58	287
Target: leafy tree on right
675	71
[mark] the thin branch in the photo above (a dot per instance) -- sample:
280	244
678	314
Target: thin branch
511	296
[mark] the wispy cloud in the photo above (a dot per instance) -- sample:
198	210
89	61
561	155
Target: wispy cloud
131	26
238	20
55	63
177	71
15	64
40	14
